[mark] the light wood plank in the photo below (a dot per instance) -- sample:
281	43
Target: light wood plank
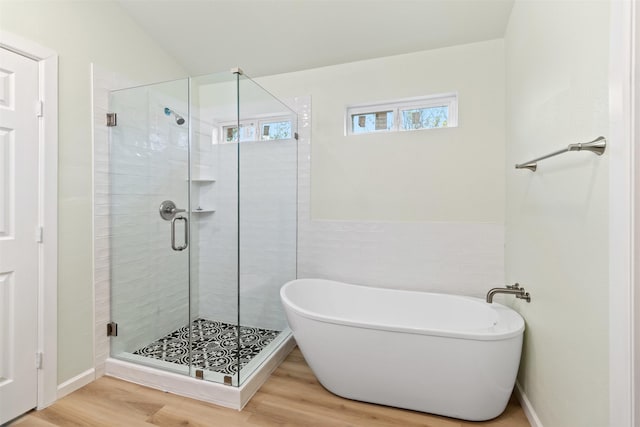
291	397
29	421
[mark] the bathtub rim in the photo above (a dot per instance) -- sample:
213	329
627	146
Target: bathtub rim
505	315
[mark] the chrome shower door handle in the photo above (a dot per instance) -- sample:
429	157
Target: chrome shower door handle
173	233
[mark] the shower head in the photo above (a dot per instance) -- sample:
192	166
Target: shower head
179	119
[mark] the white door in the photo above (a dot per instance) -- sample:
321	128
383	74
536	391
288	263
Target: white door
18	225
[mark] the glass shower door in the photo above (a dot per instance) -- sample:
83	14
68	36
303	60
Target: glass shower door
149	196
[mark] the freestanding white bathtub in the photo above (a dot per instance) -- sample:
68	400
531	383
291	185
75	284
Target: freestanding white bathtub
443	354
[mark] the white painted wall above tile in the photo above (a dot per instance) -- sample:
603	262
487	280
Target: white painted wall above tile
443	175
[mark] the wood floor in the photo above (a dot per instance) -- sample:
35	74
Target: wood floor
291	397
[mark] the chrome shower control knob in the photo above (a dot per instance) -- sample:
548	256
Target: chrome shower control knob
168	210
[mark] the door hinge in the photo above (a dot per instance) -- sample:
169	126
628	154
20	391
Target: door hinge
39	360
40	235
39	109
112	329
296	136
112	119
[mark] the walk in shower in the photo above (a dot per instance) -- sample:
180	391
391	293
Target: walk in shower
203	219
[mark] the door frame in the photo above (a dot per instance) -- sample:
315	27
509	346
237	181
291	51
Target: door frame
47	60
624	216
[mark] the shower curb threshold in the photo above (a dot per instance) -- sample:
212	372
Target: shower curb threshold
211	392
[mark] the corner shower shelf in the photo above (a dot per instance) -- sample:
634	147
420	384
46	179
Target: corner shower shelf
202	194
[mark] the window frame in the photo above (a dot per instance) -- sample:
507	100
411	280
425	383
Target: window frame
449	100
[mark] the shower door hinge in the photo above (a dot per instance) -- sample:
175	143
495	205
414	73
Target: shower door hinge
112	329
39	360
112	119
199	374
40	234
295	135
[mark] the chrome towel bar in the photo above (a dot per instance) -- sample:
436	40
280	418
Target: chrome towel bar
597	146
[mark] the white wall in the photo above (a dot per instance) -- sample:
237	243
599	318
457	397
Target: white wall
557	217
81	33
453	175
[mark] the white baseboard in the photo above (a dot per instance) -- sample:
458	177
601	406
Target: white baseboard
529	412
76	382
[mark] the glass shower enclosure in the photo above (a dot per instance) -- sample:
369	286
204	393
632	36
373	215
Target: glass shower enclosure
203	211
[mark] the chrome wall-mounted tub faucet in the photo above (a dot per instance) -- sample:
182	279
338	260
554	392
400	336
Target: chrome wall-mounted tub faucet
511	290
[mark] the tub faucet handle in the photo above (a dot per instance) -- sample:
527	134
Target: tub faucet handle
525	296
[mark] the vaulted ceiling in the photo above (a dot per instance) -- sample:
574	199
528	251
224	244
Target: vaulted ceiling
275	36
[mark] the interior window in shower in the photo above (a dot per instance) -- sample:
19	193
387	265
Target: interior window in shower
247	132
259	129
275	129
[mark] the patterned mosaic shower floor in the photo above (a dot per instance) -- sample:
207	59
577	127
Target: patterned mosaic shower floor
214	345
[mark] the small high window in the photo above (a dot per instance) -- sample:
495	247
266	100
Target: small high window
372	122
430	112
247	133
267	129
270	130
